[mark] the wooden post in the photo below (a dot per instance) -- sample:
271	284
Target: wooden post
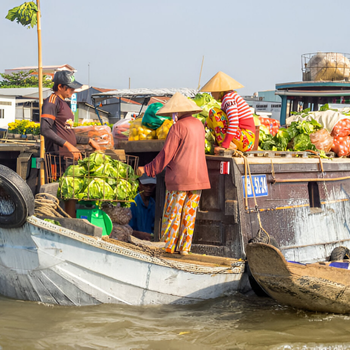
40	76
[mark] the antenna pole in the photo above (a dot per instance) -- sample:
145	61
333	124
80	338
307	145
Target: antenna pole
89	74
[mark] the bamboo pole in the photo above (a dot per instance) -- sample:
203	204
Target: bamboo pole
40	76
200	74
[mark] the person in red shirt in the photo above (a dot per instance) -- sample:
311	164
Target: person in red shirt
56	117
241	126
186	174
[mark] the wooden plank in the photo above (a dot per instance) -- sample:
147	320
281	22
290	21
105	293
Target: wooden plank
118	154
196	258
284	160
141	146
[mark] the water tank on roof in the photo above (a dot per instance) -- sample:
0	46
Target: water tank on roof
326	66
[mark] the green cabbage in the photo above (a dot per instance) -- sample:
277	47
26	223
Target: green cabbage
302	142
206	108
99	177
202	99
76	171
69	187
209	147
97	189
297	133
123	190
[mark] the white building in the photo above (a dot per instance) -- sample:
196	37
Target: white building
7	110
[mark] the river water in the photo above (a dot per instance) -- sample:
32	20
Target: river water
238	322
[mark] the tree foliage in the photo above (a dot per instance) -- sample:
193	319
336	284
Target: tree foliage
23	79
25	14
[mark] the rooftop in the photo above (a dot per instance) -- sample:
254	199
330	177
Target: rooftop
45	68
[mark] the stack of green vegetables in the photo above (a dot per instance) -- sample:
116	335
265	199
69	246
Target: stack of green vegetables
209	142
294	138
99	177
206	102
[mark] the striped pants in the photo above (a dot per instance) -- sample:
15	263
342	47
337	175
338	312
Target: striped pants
179	217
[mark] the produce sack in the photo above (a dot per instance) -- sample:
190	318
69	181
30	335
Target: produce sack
162	132
322	140
342	128
121	232
139	132
272	124
150	119
217	123
100	133
121	128
118	215
341	146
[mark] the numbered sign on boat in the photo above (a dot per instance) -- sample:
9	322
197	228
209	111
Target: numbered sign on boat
260	186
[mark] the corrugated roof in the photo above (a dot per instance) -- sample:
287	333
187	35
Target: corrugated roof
25	92
58	67
143	93
163	100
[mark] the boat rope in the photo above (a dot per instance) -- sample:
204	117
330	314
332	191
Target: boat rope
247	171
46	204
319	158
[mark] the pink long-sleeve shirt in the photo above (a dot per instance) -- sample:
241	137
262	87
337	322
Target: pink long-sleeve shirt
183	156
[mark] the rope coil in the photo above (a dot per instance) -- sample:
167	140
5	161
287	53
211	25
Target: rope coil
46	204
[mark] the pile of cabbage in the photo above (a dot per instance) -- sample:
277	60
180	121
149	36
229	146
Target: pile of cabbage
206	102
99	178
295	138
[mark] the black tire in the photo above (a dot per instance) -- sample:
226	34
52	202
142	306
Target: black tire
340	253
255	285
16	199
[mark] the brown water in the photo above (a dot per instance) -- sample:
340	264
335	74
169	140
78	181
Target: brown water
240	322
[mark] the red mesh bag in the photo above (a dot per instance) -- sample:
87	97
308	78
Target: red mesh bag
341	145
100	133
342	128
272	124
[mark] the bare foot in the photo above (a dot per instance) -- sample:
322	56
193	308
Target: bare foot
183	253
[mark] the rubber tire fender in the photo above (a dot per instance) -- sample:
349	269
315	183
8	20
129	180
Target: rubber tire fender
16	195
340	253
259	291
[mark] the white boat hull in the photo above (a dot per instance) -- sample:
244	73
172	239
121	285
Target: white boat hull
47	263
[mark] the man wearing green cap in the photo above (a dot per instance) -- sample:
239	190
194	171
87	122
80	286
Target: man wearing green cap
57	117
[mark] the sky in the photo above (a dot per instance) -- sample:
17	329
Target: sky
161	43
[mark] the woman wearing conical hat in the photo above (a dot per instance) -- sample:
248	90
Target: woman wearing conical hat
241	127
186	174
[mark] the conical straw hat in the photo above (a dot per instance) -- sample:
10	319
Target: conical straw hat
221	82
179	104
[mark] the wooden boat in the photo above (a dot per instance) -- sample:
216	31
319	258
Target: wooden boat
44	262
73	265
322	286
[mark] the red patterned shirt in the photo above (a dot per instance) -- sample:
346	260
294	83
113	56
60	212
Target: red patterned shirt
239	116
